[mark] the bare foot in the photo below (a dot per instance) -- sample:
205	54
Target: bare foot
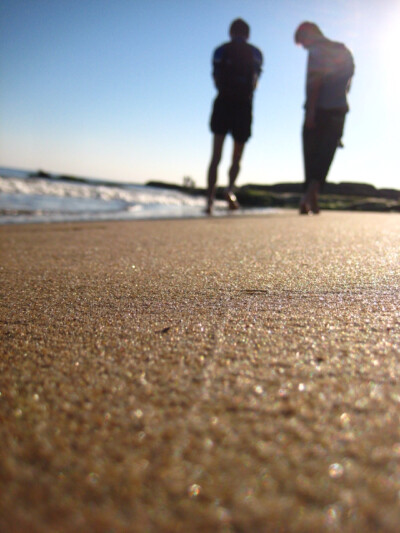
208	209
233	204
315	206
305	209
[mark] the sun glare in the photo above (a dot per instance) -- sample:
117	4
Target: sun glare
389	50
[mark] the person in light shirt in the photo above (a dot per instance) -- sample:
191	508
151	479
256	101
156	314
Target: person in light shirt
330	70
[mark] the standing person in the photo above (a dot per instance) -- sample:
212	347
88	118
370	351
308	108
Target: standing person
236	69
329	72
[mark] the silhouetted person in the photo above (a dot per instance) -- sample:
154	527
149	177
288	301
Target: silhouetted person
329	72
236	69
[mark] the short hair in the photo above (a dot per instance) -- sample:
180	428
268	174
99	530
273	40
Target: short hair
307	29
239	28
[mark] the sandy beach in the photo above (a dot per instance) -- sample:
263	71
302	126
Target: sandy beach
229	374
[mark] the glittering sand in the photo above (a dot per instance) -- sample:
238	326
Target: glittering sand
214	375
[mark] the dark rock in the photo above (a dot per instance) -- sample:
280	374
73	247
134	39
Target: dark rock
40	174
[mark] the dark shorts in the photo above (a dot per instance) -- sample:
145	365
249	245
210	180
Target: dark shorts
229	116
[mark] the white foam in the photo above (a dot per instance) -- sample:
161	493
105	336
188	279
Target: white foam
133	195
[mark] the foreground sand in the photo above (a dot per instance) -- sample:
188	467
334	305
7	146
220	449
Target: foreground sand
222	375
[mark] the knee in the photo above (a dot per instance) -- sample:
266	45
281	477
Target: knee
215	160
237	154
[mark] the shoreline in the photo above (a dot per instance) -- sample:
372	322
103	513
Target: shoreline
148	214
344	196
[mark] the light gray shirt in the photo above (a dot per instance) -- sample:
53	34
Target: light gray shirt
333	62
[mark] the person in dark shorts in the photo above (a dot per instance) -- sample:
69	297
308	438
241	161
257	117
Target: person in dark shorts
329	72
236	69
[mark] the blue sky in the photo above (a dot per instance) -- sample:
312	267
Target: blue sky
122	89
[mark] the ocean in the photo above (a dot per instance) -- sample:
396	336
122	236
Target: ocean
27	199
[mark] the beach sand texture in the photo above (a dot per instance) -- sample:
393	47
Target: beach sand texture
215	375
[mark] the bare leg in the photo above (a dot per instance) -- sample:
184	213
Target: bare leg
218	143
233	174
314	192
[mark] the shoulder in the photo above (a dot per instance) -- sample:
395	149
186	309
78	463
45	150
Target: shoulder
341	48
340	55
347	52
330	58
219	52
330	49
257	54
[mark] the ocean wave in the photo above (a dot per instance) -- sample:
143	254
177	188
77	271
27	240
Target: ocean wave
130	195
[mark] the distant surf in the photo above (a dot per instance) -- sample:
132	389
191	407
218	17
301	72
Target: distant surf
25	199
28	197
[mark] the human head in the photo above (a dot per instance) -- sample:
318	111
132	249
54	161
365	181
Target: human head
307	34
239	28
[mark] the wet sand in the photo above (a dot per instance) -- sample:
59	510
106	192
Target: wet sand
222	375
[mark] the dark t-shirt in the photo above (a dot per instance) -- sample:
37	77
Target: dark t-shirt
236	69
